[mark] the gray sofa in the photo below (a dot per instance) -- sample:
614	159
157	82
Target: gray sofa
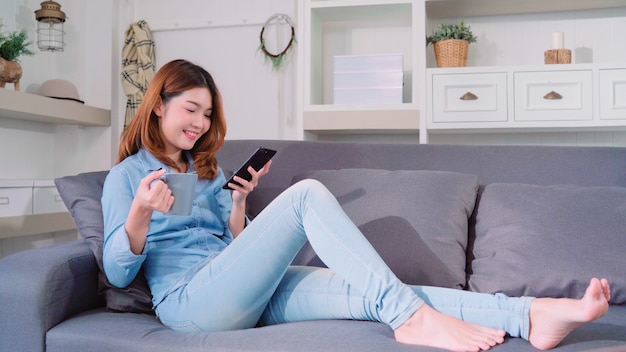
522	220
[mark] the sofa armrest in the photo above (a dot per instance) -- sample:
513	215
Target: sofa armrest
41	288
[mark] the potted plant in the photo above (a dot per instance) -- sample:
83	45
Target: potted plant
451	43
12	46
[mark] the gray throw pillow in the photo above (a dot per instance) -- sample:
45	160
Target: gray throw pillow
81	194
549	240
416	220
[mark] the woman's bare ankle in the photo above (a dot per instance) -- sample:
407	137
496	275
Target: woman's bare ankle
552	319
431	328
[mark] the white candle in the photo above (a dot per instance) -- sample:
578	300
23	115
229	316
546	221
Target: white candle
558	40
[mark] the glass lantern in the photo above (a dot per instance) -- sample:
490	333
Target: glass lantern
50	33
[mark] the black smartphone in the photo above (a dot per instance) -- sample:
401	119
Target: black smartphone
257	160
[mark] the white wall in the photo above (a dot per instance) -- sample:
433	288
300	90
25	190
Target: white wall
594	36
223	37
32	150
46	151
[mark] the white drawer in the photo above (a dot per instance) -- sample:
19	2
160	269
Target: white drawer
553	96
470	97
613	94
16	197
46	198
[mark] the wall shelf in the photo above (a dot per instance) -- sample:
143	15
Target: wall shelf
26	225
459	8
32	107
336	119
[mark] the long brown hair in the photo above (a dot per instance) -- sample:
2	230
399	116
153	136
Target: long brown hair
171	80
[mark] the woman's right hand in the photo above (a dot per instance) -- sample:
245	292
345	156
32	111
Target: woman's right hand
153	193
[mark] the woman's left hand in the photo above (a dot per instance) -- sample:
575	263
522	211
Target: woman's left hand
240	193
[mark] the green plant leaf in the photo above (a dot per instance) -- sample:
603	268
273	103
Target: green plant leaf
14	45
451	31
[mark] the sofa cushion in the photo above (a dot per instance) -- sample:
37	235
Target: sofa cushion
416	220
549	240
81	195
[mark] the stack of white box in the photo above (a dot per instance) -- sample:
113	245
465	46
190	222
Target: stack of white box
368	79
28	197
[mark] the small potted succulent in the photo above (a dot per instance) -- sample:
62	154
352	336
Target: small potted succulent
12	46
451	43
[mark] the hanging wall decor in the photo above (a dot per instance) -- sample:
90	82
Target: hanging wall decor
138	65
277	58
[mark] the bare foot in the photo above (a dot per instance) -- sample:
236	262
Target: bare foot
552	319
430	328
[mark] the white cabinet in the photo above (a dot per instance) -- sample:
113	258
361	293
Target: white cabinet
553	95
513	36
16	198
29	197
46	198
613	94
469	97
335	28
522	98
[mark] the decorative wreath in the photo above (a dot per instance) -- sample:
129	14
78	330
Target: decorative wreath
277	59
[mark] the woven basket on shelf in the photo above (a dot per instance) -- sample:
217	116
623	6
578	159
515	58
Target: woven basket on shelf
451	52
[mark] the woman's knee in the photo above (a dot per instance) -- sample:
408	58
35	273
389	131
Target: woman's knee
311	185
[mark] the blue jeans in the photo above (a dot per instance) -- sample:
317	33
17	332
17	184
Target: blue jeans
252	280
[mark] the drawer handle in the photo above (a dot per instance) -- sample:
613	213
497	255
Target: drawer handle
4	201
469	96
553	96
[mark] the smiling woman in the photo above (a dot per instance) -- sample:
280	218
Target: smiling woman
182	111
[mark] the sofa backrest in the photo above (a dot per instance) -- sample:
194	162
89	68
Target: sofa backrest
538	212
538	165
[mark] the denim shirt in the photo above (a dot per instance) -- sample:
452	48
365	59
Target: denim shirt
176	246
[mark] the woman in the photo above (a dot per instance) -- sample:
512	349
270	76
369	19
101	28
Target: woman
214	271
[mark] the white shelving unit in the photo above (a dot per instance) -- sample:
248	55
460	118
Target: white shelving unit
507	104
344	27
30	107
351	27
469	8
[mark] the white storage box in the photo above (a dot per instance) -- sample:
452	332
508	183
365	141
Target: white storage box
392	79
368	95
16	197
46	198
368	79
368	63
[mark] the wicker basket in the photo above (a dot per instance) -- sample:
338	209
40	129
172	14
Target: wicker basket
451	52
